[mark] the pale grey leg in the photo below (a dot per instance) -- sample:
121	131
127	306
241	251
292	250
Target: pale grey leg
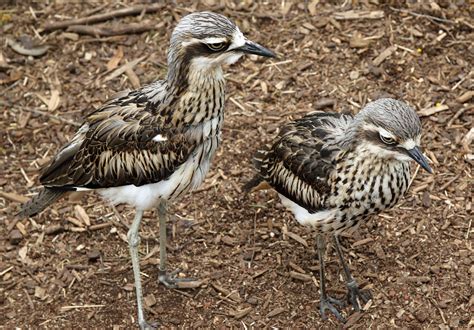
326	302
168	279
133	243
354	293
162	216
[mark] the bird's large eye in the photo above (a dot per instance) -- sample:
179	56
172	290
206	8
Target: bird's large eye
386	139
217	46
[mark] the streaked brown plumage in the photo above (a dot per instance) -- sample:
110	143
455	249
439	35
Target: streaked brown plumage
150	146
334	170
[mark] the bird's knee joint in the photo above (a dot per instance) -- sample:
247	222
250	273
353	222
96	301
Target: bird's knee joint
133	239
352	284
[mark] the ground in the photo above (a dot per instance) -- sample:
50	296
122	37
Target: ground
70	265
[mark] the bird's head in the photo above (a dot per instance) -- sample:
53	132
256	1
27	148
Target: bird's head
205	41
392	129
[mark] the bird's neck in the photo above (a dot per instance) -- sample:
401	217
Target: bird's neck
199	96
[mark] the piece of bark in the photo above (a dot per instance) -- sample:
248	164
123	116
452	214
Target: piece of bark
20	49
15	237
384	55
135	10
432	110
97	31
359	14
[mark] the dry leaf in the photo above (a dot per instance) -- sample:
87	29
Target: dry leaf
115	60
312	7
40	293
132	76
54	101
22	252
14	76
82	215
297	238
358	41
285	8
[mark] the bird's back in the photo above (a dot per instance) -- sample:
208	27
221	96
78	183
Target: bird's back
298	162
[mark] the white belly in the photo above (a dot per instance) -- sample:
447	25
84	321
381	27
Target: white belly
186	177
317	219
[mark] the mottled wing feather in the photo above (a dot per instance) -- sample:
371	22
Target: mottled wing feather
299	161
115	147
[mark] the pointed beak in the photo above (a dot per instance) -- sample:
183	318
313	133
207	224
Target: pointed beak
417	155
251	47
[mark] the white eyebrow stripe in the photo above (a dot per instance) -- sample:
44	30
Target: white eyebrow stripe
385	133
190	42
214	40
381	130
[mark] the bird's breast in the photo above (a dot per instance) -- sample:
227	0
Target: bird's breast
362	185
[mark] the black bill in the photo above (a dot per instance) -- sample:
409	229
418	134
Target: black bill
251	47
417	155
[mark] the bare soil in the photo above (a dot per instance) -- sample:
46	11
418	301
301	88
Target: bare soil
70	265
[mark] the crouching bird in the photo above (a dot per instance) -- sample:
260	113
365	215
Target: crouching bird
154	144
334	170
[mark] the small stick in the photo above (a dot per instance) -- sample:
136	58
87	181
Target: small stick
434	18
457	115
134	10
55	117
109	32
66	308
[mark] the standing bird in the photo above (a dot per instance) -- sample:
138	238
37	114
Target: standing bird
154	144
334	170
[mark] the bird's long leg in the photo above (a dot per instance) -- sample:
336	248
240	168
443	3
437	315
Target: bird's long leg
133	243
168	279
354	294
327	303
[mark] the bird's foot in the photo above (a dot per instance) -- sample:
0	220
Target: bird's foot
328	304
356	296
172	282
144	325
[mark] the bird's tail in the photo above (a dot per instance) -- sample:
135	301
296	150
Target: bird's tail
254	182
46	197
258	181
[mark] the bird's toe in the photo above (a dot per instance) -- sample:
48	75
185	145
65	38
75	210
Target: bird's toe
356	296
328	305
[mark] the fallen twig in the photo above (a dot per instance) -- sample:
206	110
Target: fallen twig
361	14
124	68
434	18
432	110
13	197
41	113
112	31
135	10
50	115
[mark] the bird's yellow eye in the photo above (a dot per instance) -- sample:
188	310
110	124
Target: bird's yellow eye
386	139
217	46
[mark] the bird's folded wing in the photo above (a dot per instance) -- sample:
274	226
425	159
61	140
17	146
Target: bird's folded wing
120	144
297	165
